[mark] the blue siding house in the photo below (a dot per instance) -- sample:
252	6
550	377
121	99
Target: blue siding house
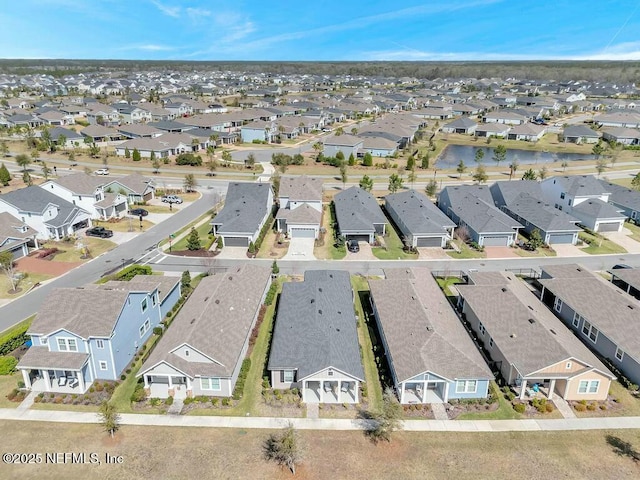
89	333
431	356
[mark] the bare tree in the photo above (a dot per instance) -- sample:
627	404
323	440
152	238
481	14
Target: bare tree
109	418
8	266
284	448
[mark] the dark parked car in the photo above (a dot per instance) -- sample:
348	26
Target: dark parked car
99	232
138	212
352	246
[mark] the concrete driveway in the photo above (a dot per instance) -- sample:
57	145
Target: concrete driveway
365	253
500	252
563	250
431	253
624	240
233	253
300	249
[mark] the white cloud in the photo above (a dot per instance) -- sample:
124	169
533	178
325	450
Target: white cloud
167	10
621	51
149	47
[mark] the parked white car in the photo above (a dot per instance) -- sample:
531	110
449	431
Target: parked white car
102	171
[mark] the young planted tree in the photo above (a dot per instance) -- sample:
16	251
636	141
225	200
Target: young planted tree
431	189
153	157
529	175
135	156
5	176
635	181
411	163
190	183
543	173
366	183
395	182
250	161
155	163
46	171
275	183
23	161
343	173
597	150
275	269
185	280
212	166
226	157
127	153
412	177
193	240
284	448
513	167
461	168
8	267
109	418
499	153
367	160
564	165
601	166
94	151
425	161
479	155
352	160
388	420
480	175
535	240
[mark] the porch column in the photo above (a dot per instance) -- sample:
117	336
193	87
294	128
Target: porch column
552	386
446	392
80	380
27	380
47	380
321	391
523	388
402	392
170	382
188	384
356	386
146	381
424	391
304	387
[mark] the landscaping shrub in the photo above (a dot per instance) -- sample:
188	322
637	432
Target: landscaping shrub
168	401
131	271
580	407
214	401
8	365
271	294
13	339
188	401
242	376
189	159
549	407
226	402
157	330
591	407
519	407
138	394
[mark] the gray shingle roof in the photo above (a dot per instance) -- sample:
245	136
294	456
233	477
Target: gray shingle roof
301	188
422	331
216	321
357	211
10	227
244	208
622	196
542	215
462	122
42	358
316	326
580	131
596	208
80	183
580	185
303	214
35	199
418	213
507	191
135	182
145	283
628	275
615	313
505	306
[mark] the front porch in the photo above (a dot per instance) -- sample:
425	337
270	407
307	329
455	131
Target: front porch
55	381
164	386
329	391
535	388
423	392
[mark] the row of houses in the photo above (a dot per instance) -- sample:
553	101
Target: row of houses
59	207
435	354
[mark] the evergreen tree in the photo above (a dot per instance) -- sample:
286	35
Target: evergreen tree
127	153
136	155
367	160
5	176
352	160
193	240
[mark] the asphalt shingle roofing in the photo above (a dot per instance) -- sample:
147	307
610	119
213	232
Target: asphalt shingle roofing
244	208
316	326
422	332
35	199
542	215
418	213
357	211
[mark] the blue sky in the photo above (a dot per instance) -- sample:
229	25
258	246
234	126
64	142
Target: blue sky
321	29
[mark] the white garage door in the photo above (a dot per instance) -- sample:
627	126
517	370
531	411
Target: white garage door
429	242
557	238
303	233
496	241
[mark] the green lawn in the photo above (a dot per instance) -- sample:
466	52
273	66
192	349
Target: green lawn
393	249
635	230
372	378
24	286
599	245
203	231
445	283
205	227
65	407
465	251
97	246
7	384
504	411
329	251
253	384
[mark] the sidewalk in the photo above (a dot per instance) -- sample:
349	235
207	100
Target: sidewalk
567	424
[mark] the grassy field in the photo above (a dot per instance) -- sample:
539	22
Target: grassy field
124	223
504	412
328	251
203	231
268	248
393	249
374	389
97	246
169	453
7	384
600	245
181	244
465	251
635	230
24	286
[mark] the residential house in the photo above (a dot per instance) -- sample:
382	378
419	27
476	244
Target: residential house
162	146
93	332
347	144
462	125
379	146
506	117
528	132
139	130
580	134
618	119
88	193
623	135
260	131
605	318
431	357
300	206
421	223
626	200
201	353
628	279
49	215
533	351
137	188
100	133
358	215
315	340
472	207
498	130
70	138
16	236
585	198
246	209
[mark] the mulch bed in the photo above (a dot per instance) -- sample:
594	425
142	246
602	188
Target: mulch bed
456	410
604	408
98	392
193	253
418	411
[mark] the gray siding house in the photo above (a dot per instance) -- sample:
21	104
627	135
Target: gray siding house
472	206
347	144
431	356
16	236
624	199
628	279
421	223
315	341
358	215
603	317
202	351
300	206
527	343
246	209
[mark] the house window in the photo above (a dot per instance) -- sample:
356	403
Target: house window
569	202
210	383
186	353
466	386
560	207
67	345
562	195
590	331
144	305
557	305
288	376
144	327
330	373
588	386
576	320
100	343
481	329
619	354
153	300
568	366
103	365
44	340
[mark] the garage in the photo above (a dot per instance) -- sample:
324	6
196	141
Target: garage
17	253
303	233
429	242
148	196
236	241
358	238
496	241
560	238
608	226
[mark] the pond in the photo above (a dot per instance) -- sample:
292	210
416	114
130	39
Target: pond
452	154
